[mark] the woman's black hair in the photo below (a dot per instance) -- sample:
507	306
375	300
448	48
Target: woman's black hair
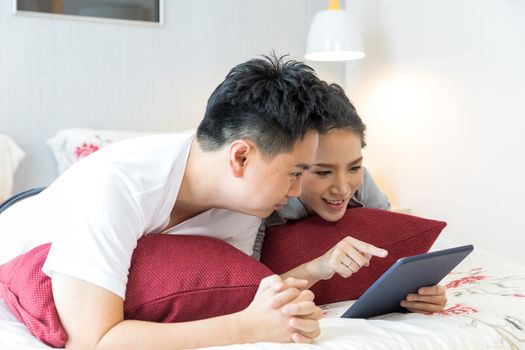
340	113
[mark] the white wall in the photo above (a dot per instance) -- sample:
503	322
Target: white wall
442	92
57	73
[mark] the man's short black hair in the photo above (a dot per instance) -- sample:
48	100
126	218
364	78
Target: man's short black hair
271	101
340	113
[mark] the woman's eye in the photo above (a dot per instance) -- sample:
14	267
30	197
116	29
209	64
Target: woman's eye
322	173
355	168
297	174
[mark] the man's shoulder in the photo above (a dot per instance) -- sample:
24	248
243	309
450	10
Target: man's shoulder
153	141
151	151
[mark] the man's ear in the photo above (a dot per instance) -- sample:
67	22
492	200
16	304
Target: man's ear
238	156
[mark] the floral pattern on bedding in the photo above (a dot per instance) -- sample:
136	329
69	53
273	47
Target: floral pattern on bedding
494	301
458	309
486	305
476	281
85	149
511	330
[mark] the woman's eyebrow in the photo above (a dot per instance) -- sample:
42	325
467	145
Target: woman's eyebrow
358	160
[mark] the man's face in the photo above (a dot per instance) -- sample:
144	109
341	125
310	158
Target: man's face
270	182
335	175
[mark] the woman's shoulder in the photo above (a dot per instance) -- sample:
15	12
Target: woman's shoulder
370	195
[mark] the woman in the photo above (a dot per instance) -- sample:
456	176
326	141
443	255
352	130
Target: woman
337	181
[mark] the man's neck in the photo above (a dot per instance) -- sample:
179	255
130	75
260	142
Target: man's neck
199	189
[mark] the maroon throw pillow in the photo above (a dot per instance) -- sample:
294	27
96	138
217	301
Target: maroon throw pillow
288	246
177	278
26	291
172	278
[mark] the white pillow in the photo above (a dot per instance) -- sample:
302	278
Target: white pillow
10	157
71	145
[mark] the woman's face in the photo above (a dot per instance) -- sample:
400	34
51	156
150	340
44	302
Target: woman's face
336	174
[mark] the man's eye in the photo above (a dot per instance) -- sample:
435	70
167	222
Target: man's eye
355	168
297	174
322	173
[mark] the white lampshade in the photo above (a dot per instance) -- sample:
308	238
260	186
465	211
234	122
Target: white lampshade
333	37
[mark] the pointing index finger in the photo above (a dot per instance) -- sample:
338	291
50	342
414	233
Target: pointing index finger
368	248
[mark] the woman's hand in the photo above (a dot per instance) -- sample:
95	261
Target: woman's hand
427	299
345	259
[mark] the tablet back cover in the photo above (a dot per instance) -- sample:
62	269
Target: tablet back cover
404	277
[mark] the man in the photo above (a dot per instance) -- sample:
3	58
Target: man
258	136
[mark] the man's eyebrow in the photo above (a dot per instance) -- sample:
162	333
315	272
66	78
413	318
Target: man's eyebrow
325	165
302	166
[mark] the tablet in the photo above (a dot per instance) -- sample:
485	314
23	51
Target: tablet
404	277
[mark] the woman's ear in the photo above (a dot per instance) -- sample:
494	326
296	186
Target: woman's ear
238	156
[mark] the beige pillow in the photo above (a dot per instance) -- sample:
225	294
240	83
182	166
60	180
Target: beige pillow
71	145
10	157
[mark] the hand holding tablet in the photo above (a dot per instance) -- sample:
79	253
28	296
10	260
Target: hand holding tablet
404	277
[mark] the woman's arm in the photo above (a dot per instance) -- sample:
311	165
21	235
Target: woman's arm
427	299
345	258
259	240
348	257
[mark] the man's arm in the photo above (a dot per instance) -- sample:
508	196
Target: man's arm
93	318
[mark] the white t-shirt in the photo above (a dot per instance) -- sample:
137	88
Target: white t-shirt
95	212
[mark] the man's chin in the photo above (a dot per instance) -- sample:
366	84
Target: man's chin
267	214
261	213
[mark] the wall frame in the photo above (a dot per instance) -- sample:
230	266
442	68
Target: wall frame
145	12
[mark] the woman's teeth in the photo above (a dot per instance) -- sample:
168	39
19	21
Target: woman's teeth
335	202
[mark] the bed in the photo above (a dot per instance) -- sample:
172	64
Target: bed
485	310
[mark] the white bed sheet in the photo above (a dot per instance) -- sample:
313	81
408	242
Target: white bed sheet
486	310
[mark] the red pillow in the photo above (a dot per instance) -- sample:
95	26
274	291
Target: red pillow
176	278
288	246
27	293
172	278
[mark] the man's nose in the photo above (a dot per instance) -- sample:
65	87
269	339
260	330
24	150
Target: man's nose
295	190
